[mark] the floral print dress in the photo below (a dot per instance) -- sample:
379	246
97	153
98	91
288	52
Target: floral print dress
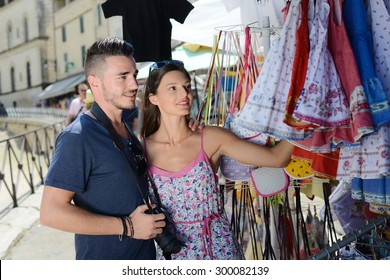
265	108
192	202
369	164
323	101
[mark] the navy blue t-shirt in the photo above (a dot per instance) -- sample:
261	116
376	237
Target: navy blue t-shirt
86	162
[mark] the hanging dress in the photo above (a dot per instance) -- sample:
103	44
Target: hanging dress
322	101
266	104
344	58
192	202
370	164
380	28
372	190
361	124
371	160
355	18
299	68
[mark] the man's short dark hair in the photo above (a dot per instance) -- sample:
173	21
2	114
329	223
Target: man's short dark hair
97	53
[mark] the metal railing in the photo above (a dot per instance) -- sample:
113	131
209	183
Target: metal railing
36	112
24	161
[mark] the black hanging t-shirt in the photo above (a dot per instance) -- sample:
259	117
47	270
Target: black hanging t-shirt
146	24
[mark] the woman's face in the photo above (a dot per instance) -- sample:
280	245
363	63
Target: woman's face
174	95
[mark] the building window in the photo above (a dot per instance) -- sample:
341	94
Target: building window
12	79
63	34
25	23
9	36
99	15
81	24
83	51
68	64
28	75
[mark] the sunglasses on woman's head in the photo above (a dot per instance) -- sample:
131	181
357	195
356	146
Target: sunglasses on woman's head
160	64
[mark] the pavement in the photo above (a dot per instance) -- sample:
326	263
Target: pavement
23	238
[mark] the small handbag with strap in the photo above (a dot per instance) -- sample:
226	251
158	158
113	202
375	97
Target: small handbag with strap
269	181
232	169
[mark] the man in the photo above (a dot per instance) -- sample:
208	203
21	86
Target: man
90	188
76	107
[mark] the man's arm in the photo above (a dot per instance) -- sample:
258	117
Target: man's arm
58	211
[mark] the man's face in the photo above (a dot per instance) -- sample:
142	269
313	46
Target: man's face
119	82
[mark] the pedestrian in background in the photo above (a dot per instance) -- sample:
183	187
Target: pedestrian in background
76	106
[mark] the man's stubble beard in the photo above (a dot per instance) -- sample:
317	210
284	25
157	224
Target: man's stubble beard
112	98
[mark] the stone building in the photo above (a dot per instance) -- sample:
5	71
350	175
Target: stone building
43	42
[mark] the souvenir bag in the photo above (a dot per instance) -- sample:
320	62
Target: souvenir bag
230	168
269	181
299	169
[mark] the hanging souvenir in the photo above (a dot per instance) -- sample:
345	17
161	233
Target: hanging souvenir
322	102
269	181
299	169
355	18
266	104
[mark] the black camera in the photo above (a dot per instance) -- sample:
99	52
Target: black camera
167	240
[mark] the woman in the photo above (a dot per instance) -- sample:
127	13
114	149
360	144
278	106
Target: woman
183	163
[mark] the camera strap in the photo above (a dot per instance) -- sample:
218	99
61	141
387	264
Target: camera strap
105	120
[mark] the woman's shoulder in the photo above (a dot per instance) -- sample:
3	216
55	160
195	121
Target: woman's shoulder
216	131
215	136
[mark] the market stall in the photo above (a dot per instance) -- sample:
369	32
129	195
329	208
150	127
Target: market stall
309	80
